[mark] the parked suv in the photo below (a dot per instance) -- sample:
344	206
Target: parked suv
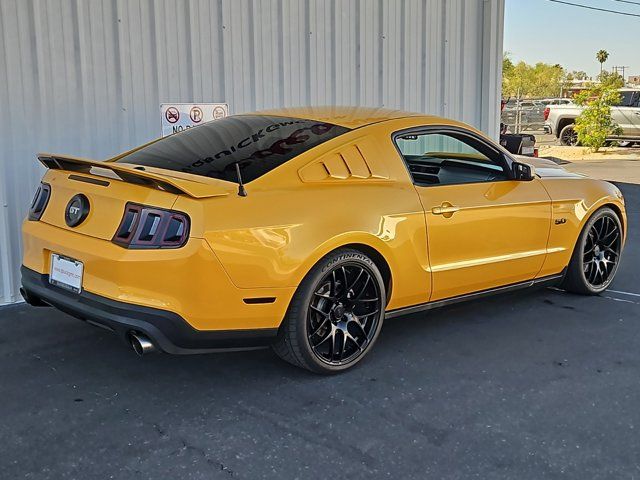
557	101
560	119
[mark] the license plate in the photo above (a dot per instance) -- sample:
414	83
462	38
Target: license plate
66	273
527	150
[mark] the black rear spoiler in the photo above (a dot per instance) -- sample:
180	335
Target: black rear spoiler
130	174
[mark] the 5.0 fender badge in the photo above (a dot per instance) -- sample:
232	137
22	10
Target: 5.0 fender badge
561	221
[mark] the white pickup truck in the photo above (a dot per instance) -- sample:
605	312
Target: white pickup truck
560	119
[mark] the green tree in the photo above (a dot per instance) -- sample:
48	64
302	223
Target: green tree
539	80
507	70
594	125
577	75
602	56
611	79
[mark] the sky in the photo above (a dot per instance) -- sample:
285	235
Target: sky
542	31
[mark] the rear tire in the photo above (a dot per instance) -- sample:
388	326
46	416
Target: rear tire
596	256
335	315
569	136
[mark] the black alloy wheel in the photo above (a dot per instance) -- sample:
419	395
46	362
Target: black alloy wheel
343	313
601	251
596	256
335	315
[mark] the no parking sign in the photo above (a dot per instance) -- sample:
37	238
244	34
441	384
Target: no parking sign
177	117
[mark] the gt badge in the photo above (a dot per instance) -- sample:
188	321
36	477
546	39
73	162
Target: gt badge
77	210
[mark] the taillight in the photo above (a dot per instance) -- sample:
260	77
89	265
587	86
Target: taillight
546	113
149	227
39	202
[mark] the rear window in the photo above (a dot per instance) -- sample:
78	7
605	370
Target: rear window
258	143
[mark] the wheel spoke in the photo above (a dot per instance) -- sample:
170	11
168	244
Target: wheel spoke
317	310
611	229
358	323
614	240
345	286
334	285
363	289
611	251
330	335
593	267
354	340
334	345
367	300
328	297
601	272
355	282
343	348
594	274
320	327
601	230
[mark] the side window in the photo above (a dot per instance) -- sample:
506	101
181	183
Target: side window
450	158
629	99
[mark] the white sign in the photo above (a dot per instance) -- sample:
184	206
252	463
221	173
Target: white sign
177	117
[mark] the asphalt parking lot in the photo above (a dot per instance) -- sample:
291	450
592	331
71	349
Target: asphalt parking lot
539	384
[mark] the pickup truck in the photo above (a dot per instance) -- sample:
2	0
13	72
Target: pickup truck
560	119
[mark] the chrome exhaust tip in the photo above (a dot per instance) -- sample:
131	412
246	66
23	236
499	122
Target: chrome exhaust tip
141	344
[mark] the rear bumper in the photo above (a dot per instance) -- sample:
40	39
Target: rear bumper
188	281
167	330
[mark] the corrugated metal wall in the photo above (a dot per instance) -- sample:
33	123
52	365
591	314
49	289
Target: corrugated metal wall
86	77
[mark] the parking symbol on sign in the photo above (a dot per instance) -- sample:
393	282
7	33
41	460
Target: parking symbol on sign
196	114
172	115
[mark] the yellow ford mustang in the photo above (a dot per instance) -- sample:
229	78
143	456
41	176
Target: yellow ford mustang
304	229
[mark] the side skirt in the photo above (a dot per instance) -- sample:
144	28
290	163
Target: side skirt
538	282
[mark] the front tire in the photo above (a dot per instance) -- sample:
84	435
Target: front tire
335	315
596	256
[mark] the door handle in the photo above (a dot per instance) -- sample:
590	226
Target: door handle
445	209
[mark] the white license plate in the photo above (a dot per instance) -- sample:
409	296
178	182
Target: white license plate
66	273
527	150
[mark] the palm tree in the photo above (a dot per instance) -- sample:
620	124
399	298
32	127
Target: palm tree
602	56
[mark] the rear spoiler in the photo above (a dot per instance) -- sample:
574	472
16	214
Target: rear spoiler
172	182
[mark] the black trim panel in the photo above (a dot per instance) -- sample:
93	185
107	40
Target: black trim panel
540	282
167	330
94	181
258	300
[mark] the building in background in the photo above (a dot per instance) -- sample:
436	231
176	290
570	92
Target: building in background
88	78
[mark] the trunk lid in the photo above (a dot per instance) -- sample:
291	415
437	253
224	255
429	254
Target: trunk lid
108	187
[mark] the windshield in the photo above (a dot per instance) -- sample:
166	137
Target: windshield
258	143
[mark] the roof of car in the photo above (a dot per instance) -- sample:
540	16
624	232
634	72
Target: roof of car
350	117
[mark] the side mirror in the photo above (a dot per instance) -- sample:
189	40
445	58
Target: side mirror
522	171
